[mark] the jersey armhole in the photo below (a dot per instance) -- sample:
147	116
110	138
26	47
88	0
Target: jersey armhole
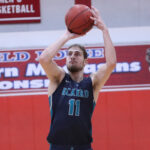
92	90
59	85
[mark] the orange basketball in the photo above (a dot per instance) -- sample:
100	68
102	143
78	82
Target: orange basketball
78	20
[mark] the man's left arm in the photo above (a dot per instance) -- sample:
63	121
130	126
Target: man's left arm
101	76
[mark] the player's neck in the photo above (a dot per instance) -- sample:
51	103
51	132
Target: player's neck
76	76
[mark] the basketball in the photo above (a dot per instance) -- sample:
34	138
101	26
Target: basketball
78	20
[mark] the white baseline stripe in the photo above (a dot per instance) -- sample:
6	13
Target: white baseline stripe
23	94
25	91
103	90
23	18
126	86
125	89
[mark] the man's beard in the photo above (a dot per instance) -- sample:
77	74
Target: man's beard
74	69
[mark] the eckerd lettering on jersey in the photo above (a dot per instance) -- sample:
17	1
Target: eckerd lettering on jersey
75	92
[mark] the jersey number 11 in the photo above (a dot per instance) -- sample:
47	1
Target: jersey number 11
74	107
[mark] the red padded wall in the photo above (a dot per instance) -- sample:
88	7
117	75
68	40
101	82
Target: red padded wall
24	122
120	122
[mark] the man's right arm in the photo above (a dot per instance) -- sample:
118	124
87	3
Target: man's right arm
54	72
51	69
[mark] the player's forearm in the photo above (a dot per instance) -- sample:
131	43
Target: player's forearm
110	53
48	54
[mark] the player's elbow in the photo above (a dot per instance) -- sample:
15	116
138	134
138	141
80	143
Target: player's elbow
44	59
112	65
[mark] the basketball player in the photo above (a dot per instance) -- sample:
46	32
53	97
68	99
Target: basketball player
72	97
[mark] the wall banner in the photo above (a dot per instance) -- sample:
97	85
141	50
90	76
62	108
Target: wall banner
19	11
20	71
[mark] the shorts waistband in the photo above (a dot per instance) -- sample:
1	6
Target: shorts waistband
70	147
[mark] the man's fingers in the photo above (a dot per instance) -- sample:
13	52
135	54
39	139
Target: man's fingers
93	18
95	10
93	13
